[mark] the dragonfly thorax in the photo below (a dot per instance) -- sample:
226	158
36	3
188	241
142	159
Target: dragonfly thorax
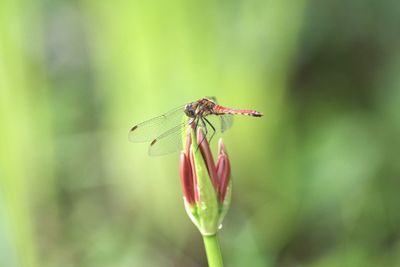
200	108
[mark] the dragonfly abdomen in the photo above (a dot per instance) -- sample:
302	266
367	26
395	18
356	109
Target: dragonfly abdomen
248	112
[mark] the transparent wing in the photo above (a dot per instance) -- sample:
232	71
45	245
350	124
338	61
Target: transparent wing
168	142
221	123
171	140
151	129
226	122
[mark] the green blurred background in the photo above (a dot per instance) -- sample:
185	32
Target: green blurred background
316	180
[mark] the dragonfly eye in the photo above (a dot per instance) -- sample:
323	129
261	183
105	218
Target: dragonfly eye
189	111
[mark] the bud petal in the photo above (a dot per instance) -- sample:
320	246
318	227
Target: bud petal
207	156
194	174
187	179
224	172
225	183
207	201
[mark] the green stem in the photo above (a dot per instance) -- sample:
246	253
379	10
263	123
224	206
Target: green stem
213	251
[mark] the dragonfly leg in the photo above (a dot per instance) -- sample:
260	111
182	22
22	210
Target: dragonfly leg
195	123
205	129
191	122
204	126
212	127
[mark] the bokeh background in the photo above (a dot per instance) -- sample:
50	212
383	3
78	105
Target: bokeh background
316	180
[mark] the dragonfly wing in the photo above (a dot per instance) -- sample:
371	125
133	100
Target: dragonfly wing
220	122
168	142
151	129
226	122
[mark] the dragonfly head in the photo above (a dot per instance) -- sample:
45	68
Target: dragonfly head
190	111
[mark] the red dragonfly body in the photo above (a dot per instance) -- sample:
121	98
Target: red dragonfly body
205	107
165	131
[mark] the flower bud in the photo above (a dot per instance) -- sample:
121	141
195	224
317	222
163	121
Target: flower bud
206	186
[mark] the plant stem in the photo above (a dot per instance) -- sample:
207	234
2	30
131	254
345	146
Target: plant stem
213	251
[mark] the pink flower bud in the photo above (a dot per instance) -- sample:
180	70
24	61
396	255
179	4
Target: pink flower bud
205	185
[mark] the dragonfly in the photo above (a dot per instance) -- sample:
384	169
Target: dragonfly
165	132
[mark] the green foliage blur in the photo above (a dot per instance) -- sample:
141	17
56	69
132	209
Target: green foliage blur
316	180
